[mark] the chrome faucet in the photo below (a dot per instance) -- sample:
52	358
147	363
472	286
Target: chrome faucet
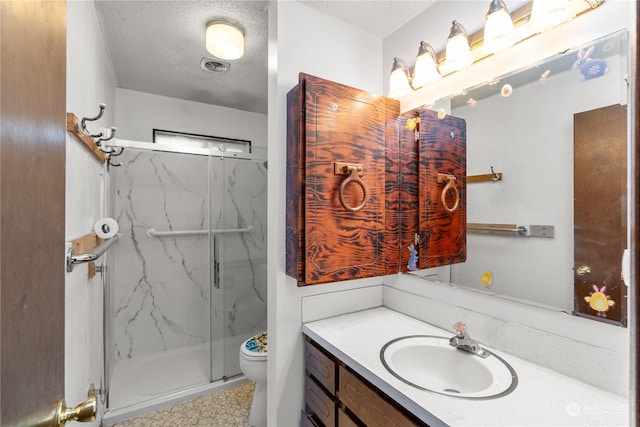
462	341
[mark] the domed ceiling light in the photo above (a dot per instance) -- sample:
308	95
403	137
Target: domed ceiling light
225	39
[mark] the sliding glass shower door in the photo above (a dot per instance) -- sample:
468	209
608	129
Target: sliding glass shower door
239	214
184	287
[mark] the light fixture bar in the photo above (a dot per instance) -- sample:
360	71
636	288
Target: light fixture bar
519	17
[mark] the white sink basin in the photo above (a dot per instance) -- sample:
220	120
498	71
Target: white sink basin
429	363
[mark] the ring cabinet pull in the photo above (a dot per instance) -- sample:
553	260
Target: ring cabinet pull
450	186
353	173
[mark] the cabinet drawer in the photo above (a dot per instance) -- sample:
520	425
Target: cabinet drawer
321	367
367	404
345	420
319	403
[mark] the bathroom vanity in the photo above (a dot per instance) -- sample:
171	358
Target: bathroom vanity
337	396
347	382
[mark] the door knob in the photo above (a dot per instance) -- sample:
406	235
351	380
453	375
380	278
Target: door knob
58	415
583	270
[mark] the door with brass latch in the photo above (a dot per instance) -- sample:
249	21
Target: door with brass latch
32	216
600	213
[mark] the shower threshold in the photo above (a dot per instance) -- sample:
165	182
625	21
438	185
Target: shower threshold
148	383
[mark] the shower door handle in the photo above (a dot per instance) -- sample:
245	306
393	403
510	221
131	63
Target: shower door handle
216	274
216	265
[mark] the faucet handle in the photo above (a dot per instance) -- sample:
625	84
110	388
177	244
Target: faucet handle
460	329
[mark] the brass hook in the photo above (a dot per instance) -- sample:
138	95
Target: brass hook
451	186
353	172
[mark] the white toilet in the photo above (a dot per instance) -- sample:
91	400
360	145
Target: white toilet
253	363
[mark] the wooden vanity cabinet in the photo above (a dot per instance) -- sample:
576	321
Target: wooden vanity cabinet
330	237
335	396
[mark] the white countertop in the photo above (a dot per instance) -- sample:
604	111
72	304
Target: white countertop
542	398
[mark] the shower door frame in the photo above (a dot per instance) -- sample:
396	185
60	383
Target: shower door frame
215	246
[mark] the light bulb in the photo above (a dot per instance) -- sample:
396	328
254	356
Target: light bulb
499	32
425	70
399	81
458	56
546	14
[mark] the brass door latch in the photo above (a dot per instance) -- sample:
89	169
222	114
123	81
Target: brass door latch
58	415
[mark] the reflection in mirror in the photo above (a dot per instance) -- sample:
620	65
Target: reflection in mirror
523	126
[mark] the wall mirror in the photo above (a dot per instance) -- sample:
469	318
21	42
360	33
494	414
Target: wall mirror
549	228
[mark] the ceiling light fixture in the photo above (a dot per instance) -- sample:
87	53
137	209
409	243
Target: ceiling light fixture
225	39
499	32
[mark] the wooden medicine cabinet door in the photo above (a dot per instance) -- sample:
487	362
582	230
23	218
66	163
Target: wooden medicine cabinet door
336	180
442	207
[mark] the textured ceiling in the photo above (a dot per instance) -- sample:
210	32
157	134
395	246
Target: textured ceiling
157	46
378	17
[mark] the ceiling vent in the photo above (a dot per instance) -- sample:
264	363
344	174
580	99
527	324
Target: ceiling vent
214	65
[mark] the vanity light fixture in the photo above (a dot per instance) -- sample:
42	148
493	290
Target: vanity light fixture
499	32
458	56
546	14
225	39
399	82
502	29
426	68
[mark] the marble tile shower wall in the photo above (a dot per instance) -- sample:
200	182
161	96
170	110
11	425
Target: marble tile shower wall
161	293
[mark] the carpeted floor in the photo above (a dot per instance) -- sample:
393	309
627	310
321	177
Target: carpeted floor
229	408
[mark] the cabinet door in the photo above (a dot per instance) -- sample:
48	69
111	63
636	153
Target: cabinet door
334	238
442	211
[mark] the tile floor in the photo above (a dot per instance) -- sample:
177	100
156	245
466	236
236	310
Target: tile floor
229	408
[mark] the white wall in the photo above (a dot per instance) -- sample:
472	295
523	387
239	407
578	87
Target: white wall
138	113
88	83
308	42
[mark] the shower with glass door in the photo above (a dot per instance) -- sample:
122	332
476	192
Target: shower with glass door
187	280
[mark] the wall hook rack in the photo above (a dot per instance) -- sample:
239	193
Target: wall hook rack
488	177
93	142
